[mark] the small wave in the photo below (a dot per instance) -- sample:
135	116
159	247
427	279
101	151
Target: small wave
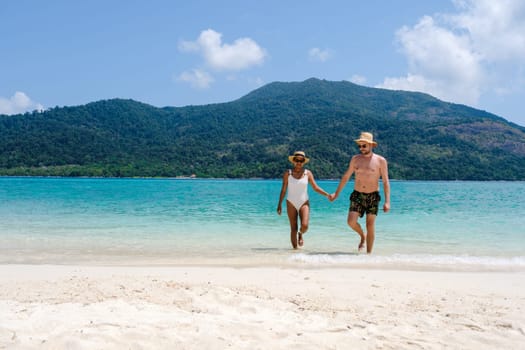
416	261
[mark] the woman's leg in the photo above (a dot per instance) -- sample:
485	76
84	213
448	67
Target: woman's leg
304	214
292	217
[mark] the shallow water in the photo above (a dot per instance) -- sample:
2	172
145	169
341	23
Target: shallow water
449	225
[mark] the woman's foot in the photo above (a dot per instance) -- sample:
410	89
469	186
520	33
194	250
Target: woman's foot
300	240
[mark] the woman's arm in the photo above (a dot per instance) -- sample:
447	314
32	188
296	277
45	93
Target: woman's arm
283	192
315	186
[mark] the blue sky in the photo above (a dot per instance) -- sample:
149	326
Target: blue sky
178	53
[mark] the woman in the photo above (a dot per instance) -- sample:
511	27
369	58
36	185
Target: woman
295	181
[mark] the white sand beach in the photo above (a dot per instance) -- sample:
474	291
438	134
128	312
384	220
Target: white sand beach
95	307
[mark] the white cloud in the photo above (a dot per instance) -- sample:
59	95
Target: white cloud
358	79
497	28
18	103
189	46
259	81
197	78
316	54
242	54
458	57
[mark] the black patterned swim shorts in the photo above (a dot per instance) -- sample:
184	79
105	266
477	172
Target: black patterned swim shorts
365	202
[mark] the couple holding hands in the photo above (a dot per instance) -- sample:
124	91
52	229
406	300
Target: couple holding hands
368	168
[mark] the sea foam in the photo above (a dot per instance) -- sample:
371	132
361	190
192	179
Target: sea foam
416	261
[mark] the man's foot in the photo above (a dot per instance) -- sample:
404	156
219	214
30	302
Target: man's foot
361	245
300	240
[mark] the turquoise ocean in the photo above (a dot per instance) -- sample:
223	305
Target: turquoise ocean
472	226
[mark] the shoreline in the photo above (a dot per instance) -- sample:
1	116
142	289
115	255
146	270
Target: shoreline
191	307
278	179
284	258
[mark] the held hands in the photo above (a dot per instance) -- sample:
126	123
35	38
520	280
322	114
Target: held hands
332	197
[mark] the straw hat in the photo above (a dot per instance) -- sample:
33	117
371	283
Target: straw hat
298	154
366	137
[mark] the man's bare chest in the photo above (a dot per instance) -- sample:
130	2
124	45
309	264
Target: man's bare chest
367	167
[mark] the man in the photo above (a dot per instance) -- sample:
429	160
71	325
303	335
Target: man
368	168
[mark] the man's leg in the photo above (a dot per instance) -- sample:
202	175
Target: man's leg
352	222
370	232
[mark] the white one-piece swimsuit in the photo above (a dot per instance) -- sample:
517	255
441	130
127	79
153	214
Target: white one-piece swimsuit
297	189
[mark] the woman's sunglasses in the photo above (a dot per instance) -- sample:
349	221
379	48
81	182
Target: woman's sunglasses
298	160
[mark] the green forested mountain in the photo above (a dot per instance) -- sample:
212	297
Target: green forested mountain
421	136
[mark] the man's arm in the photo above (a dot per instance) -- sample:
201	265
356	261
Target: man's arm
344	180
386	184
